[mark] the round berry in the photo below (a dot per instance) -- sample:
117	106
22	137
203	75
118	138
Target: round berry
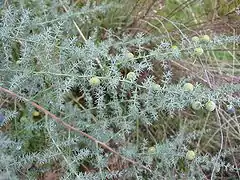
174	47
205	38
198	51
152	149
156	86
36	113
18	62
196	105
188	87
130	55
190	155
94	81
195	39
131	76
210	106
230	109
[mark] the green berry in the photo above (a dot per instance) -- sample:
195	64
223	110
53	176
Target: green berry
190	155
152	149
18	62
195	39
196	105
36	113
188	87
131	76
174	47
205	38
198	51
210	106
130	55
156	86
94	81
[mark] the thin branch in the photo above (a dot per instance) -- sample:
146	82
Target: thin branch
221	146
75	24
71	128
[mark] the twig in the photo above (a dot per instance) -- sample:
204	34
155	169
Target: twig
221	147
75	24
5	3
71	128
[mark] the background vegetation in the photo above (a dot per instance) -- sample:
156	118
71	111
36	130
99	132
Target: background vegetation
97	89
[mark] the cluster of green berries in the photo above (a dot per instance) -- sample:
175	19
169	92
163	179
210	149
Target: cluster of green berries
196	105
204	38
95	81
190	155
210	105
198	51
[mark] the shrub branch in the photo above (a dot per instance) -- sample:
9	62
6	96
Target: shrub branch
71	128
81	34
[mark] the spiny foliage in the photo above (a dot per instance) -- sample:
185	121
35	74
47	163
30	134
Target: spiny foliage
43	59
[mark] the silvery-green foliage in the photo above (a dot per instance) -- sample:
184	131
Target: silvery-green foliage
43	59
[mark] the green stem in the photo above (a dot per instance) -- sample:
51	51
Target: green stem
137	131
